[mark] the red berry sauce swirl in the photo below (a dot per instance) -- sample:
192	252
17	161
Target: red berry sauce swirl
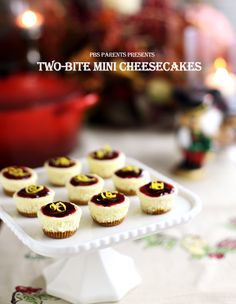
129	172
157	188
108	199
104	154
61	162
58	209
16	172
83	180
33	191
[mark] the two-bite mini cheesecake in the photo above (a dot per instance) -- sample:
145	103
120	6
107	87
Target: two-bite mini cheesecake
157	197
60	169
59	219
14	178
82	187
128	179
31	198
105	162
109	208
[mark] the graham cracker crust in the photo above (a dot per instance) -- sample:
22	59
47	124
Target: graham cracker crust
156	212
7	192
33	214
78	202
125	192
109	224
59	235
56	185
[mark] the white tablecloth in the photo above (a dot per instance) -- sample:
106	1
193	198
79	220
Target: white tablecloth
194	263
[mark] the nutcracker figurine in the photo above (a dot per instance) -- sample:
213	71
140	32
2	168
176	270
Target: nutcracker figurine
195	144
227	132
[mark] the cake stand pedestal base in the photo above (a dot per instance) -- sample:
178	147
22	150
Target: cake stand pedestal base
99	276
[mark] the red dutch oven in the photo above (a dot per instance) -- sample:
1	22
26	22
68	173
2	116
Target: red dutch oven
40	116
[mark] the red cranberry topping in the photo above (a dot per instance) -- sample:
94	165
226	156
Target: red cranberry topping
129	172
83	180
16	172
58	209
33	191
104	154
61	162
108	199
161	190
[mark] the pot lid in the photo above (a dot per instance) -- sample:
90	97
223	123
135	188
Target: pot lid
29	90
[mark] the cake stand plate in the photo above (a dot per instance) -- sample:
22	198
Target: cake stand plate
88	270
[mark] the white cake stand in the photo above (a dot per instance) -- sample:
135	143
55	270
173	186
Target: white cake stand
88	270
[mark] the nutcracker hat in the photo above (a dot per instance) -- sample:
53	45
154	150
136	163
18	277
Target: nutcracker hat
192	101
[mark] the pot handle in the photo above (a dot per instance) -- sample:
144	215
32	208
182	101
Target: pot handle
78	104
86	101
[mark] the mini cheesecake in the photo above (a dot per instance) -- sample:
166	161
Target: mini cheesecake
108	208
105	162
60	169
128	179
15	178
157	197
31	198
59	220
82	187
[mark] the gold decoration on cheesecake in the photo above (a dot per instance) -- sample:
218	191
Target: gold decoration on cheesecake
58	206
100	153
33	189
18	172
131	169
103	152
108	195
156	185
107	148
62	161
84	178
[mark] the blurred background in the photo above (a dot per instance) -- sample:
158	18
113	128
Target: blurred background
41	114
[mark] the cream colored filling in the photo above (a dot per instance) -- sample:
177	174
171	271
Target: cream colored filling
14	185
55	224
106	167
59	176
32	205
131	184
109	214
161	203
84	193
